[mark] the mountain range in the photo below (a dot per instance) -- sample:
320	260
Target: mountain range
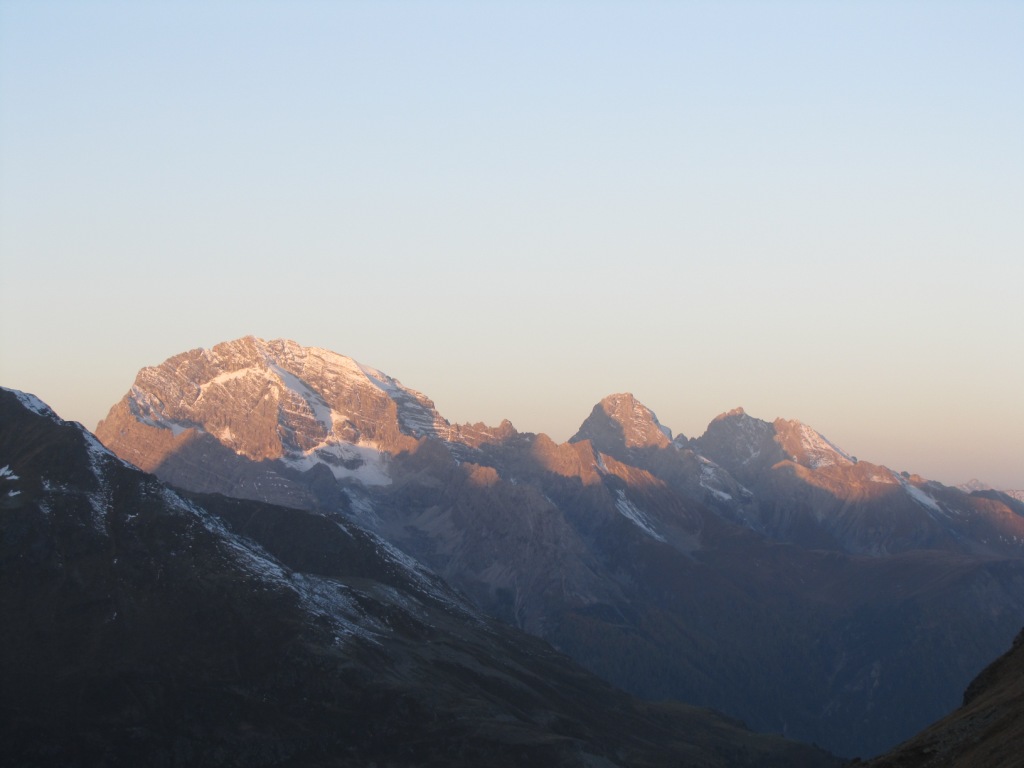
148	626
757	569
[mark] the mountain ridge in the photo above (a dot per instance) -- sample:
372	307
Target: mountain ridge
149	627
624	543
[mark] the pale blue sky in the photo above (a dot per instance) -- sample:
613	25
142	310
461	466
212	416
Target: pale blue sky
814	210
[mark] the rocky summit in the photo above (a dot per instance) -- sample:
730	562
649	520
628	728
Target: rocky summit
757	569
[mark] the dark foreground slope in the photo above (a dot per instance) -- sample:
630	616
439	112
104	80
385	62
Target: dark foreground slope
144	628
988	730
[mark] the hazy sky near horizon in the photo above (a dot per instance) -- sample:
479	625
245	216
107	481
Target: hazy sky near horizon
813	210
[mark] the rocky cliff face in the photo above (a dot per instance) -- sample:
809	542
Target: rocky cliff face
620	423
147	627
276	400
757	569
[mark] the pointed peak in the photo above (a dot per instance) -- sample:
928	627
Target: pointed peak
619	422
619	397
740	422
735	413
625	407
624	402
741	444
619	402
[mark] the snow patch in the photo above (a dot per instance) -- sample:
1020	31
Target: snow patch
631	512
100	500
98	452
320	596
321	410
33	403
415	413
7	474
821	452
362	510
346	461
335	602
922	498
149	410
710	478
223	378
428	584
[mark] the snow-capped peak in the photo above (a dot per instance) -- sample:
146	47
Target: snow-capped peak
268	400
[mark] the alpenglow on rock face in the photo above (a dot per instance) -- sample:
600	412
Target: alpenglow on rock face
276	400
190	419
273	403
623	422
757	569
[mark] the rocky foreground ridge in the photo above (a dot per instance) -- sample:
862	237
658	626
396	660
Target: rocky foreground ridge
756	568
144	626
